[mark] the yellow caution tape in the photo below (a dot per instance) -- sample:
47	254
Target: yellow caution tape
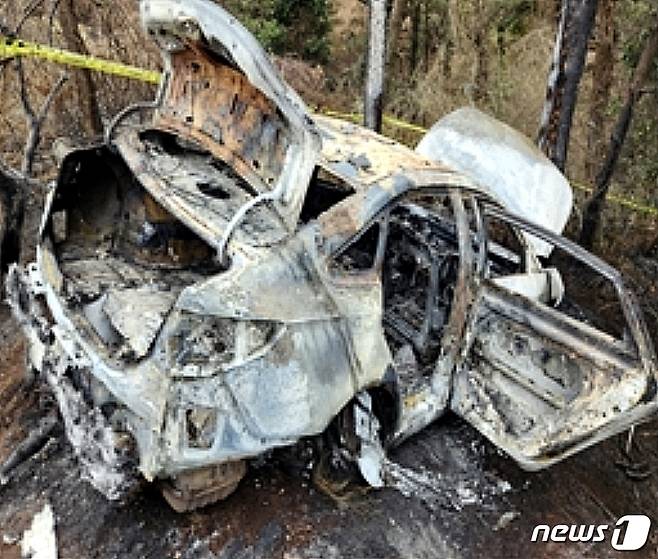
16	47
625	202
390	120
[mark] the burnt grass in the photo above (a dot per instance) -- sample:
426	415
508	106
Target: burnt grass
480	503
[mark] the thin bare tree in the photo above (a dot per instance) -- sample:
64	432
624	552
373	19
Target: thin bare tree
83	82
399	11
16	185
593	207
574	29
480	35
602	75
34	119
374	94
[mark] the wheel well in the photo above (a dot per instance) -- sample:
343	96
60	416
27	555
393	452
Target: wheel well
386	407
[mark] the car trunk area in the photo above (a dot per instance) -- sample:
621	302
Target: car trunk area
122	257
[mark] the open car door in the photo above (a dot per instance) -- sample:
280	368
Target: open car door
539	379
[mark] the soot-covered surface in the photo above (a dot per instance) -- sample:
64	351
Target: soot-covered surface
456	497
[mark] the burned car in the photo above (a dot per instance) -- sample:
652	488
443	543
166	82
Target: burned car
240	274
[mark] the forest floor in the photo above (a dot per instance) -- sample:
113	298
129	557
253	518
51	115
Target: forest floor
476	502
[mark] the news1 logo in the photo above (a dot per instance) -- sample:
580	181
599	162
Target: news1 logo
630	532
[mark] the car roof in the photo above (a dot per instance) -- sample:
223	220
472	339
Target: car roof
364	159
379	170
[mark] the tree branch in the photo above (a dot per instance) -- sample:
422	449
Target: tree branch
34	121
51	18
10	172
51	96
31	8
22	91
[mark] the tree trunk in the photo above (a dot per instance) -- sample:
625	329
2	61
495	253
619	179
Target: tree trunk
415	35
602	75
426	38
12	203
574	30
374	95
593	207
82	81
456	40
398	13
449	45
481	78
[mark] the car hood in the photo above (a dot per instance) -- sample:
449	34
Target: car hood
504	162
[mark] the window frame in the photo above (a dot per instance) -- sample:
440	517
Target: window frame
378	258
639	341
482	239
451	340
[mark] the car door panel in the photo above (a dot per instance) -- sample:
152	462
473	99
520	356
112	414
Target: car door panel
542	385
536	387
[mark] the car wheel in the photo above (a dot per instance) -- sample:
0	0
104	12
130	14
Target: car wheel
198	488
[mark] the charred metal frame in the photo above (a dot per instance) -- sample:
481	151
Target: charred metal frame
306	342
629	359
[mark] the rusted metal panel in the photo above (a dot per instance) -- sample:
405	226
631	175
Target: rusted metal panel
365	157
177	184
204	28
218	106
